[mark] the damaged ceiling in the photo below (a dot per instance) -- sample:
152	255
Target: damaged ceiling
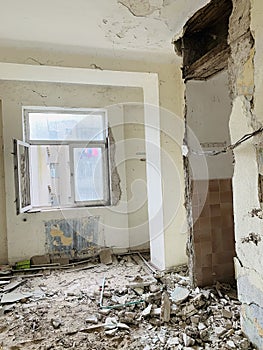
123	28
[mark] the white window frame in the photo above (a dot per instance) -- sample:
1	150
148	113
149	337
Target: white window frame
106	184
20	206
103	144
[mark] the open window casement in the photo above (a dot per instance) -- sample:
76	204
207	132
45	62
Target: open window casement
65	163
22	176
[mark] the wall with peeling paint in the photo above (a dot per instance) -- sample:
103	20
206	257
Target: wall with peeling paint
171	102
122	28
246	71
26	233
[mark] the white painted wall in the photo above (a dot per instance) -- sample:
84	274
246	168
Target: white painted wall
171	101
114	220
208	113
136	176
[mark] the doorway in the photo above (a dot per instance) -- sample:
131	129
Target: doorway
208	111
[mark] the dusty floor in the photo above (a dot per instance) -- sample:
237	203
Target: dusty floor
64	313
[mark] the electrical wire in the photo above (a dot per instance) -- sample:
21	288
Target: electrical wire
230	147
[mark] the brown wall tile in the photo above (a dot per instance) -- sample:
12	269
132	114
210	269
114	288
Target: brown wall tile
214	232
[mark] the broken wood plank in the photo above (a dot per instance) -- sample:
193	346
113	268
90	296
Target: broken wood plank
87	330
22	276
212	62
82	268
153	270
47	265
2	283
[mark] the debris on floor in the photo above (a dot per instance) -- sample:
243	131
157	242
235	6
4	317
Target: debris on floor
124	305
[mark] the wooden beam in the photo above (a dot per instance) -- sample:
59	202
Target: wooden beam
208	16
212	62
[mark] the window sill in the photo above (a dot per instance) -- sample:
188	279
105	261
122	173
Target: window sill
54	209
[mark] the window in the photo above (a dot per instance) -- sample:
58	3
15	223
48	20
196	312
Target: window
63	161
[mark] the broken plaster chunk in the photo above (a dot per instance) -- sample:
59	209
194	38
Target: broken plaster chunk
111	322
111	331
12	297
230	344
198	301
165	308
92	319
226	313
56	323
204	335
195	319
138	291
201	326
146	312
147	347
123	326
154	288
106	256
162	338
179	294
140	282
189	310
219	331
11	286
104	311
244	344
188	341
156	312
173	341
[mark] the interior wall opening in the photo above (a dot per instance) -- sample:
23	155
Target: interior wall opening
208	111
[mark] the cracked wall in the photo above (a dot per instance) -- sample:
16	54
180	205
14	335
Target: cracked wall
112	226
245	77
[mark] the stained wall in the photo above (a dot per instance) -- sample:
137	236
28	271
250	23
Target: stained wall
245	71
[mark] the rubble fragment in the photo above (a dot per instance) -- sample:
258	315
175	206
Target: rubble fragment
106	256
62	311
40	260
179	294
14	296
165	308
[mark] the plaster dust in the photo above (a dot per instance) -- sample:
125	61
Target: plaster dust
64	311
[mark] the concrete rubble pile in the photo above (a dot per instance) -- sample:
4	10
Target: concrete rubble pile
122	305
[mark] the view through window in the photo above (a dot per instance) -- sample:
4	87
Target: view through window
68	157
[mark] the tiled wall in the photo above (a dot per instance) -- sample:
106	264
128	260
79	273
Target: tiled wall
213	230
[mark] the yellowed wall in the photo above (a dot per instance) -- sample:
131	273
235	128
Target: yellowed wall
247	116
171	98
26	232
3	235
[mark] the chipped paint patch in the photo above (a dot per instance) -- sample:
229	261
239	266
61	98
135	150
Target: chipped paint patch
72	235
141	8
245	80
252	323
56	232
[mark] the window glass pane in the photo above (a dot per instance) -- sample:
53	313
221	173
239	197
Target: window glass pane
23	176
50	176
66	126
88	172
